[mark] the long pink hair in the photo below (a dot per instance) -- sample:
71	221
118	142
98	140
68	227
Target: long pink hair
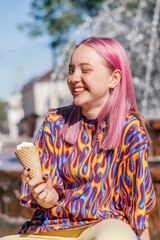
121	100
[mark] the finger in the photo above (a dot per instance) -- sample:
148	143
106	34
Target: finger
43	195
45	176
40	188
25	174
34	182
47	179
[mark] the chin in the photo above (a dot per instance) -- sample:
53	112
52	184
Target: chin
77	103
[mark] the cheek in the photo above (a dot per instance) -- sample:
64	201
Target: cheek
69	83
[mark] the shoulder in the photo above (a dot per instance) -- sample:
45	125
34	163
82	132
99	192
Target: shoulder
132	125
134	136
58	114
55	118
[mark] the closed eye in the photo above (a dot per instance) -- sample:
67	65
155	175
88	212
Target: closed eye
86	70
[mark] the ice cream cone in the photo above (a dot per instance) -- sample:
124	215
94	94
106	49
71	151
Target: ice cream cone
29	158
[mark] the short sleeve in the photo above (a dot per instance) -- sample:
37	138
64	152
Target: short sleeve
44	142
137	195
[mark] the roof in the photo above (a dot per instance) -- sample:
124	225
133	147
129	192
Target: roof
44	78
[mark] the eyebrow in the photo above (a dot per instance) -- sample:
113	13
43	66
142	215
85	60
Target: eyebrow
81	64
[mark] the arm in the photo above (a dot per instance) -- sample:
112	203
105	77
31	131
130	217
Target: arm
137	191
45	141
143	234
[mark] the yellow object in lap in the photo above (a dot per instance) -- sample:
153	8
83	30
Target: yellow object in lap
67	233
105	230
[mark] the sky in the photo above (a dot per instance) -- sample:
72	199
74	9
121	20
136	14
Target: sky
21	57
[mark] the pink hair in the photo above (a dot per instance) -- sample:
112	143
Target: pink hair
121	100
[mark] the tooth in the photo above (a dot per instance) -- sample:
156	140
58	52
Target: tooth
78	89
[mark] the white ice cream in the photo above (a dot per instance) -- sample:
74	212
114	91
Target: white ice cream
24	144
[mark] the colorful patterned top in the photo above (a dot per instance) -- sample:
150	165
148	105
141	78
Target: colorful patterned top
94	184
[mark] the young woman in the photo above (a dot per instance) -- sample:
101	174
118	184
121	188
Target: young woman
93	153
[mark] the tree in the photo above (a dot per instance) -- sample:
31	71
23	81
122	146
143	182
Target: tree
3	113
59	18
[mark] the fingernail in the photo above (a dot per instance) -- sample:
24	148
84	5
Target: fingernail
28	169
46	174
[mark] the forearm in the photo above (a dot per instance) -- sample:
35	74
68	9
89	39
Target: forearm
143	234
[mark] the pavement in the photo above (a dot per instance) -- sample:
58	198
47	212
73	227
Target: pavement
9	226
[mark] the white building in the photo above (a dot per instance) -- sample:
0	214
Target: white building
14	114
40	95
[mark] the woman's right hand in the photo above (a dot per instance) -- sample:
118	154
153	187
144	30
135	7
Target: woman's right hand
25	174
41	189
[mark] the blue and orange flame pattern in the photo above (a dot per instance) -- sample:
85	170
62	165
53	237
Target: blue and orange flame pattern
94	184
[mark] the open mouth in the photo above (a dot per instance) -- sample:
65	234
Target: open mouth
76	90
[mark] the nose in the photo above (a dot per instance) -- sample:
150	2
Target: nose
75	77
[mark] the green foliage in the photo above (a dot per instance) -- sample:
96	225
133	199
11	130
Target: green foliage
148	8
59	18
3	112
132	5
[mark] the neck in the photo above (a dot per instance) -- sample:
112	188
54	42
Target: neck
91	113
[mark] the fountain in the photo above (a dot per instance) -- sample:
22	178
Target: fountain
151	52
138	33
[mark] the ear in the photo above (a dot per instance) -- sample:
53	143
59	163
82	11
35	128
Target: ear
115	78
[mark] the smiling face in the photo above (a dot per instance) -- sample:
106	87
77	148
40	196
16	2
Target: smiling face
89	80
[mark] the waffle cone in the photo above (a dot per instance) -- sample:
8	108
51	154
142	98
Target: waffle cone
29	158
